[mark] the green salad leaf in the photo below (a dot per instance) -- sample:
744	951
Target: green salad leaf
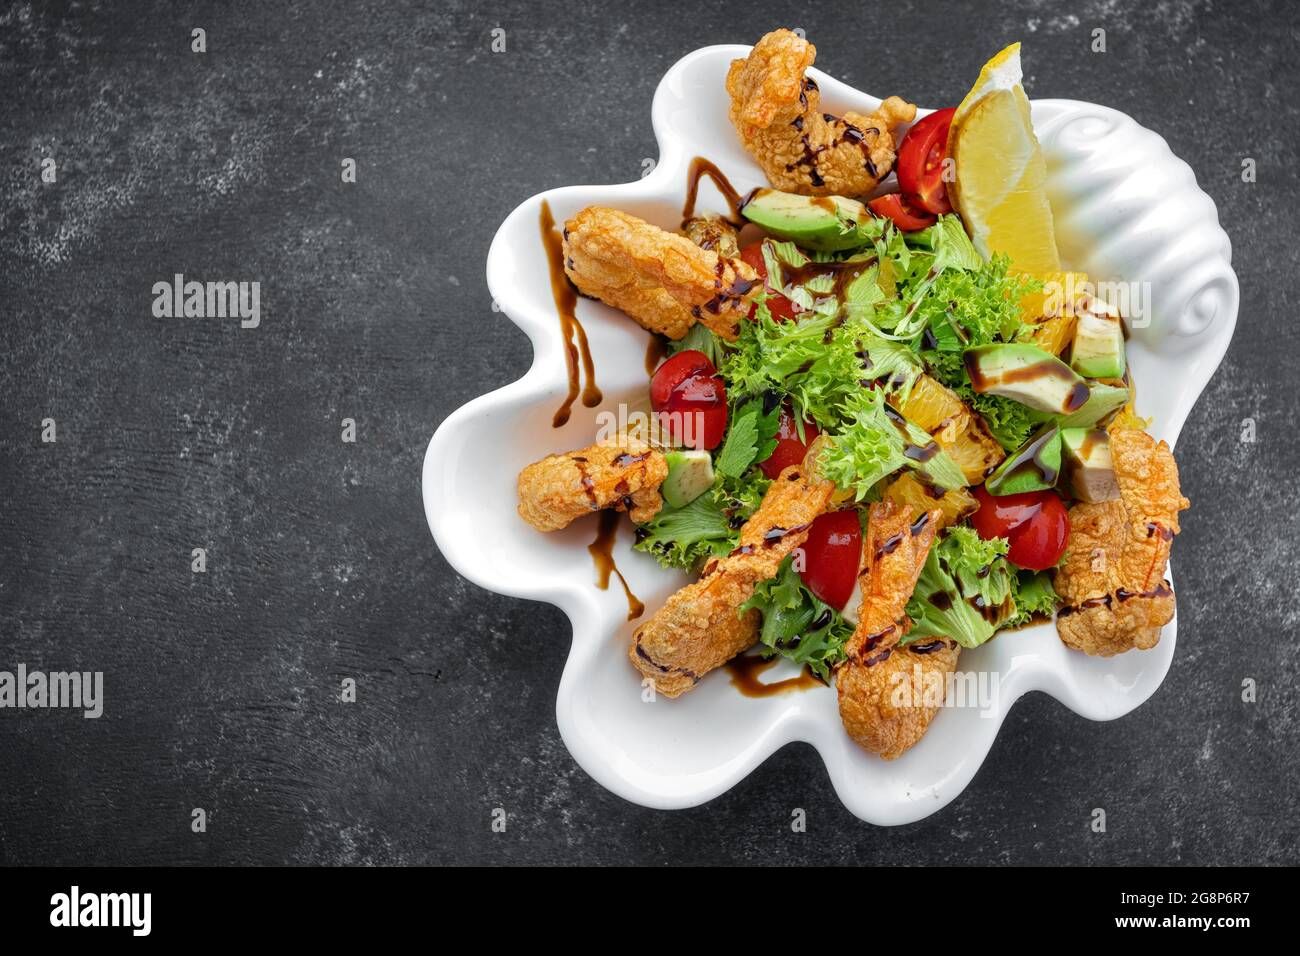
740	496
797	624
863	294
922	453
1009	421
865	451
891	363
967	307
684	537
795	360
951	246
708	527
875	442
751	437
1034	595
701	339
964	591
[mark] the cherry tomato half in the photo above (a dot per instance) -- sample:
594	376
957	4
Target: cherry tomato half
832	555
1035	523
753	254
895	207
780	307
695	414
673	371
789	449
920	162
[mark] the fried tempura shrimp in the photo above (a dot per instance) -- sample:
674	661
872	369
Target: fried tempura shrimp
698	628
894	551
1112	575
887	706
623	474
777	112
893	554
662	280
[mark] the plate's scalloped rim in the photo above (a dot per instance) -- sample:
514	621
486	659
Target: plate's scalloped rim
581	602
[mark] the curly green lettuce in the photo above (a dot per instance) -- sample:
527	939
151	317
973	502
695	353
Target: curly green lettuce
876	442
685	537
1010	422
794	360
708	527
1035	597
797	625
965	591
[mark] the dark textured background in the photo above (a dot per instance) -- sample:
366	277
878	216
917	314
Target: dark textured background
221	688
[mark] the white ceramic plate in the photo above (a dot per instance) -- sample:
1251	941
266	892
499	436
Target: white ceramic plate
1126	209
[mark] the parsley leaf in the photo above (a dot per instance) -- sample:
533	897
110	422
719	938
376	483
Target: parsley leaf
751	437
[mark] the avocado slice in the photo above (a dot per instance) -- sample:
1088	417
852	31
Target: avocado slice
690	474
1098	350
1034	466
1089	474
1103	400
823	223
1027	374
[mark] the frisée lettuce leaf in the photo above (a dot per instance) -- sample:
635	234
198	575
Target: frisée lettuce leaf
708	527
964	591
797	624
876	442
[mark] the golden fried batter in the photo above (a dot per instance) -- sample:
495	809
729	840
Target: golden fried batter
888	706
1112	575
698	628
893	552
777	112
623	474
662	280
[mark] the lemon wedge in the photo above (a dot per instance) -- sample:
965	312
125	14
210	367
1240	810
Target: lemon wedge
1001	179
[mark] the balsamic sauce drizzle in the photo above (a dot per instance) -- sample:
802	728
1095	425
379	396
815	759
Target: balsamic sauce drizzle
745	671
655	349
571	330
602	553
701	167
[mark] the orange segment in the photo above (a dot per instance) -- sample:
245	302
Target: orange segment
957	429
953	505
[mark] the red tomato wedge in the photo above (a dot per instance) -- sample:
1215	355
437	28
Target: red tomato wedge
753	254
789	449
1035	523
695	414
905	217
780	307
832	555
673	371
920	162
